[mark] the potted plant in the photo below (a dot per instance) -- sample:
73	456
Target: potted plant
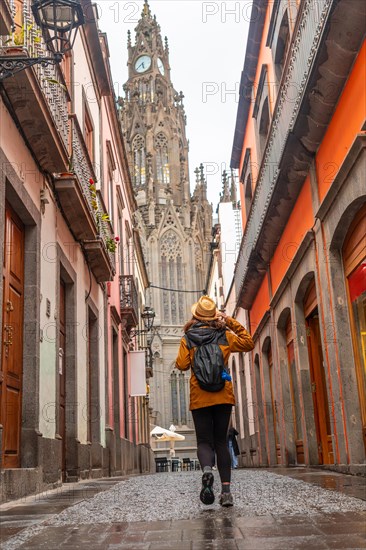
20	39
70	173
102	218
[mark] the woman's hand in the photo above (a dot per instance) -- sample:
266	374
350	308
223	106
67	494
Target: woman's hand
221	314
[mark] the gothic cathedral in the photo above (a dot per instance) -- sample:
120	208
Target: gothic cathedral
175	227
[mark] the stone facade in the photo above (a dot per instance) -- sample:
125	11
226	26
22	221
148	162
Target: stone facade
174	226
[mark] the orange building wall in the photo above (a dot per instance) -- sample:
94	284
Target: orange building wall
260	305
300	221
346	123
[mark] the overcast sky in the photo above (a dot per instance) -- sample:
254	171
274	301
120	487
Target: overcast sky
207	43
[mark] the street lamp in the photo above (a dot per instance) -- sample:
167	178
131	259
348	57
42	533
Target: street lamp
148	316
59	21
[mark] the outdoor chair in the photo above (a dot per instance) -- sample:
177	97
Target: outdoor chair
176	464
161	464
187	464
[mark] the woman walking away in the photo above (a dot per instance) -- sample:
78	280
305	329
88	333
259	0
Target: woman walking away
210	337
233	447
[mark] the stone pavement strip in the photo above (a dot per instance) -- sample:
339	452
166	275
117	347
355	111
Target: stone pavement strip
274	509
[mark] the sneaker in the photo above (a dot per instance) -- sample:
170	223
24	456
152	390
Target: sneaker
226	499
207	495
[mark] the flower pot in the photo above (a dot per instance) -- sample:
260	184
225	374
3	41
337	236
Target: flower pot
15	50
65	175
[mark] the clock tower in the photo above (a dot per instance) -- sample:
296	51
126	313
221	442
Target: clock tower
174	225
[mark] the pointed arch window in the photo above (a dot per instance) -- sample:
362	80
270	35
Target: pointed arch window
174	393
172	276
182	398
162	159
179	389
139	161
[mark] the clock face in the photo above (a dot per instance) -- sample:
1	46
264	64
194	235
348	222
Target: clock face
142	63
161	66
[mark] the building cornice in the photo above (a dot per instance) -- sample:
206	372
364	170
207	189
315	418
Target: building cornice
91	31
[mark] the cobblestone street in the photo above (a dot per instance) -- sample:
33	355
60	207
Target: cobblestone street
293	508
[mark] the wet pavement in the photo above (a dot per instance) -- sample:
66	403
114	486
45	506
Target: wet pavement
32	510
214	529
353	486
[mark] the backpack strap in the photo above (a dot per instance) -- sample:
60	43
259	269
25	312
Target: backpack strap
189	344
220	339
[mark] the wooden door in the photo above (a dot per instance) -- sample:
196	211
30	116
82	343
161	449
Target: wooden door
354	260
11	372
62	378
319	390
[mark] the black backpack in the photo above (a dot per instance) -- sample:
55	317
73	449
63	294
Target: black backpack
208	362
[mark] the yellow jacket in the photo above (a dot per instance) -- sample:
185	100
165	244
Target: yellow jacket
240	341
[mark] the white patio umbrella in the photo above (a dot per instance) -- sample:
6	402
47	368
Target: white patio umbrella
162	434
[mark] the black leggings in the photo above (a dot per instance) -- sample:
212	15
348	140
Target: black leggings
211	424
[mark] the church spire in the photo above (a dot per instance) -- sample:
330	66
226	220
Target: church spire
146	12
233	194
200	191
225	197
203	183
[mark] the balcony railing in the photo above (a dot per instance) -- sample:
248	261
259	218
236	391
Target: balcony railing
128	300
81	162
43	117
84	171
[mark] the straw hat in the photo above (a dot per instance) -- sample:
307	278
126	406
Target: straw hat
205	309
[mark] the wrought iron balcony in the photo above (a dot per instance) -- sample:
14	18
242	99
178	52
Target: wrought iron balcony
101	261
73	190
37	96
129	302
75	206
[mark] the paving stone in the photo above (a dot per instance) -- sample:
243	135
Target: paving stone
200	534
127	546
172	535
8	532
342	528
282	543
345	542
167	545
215	545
